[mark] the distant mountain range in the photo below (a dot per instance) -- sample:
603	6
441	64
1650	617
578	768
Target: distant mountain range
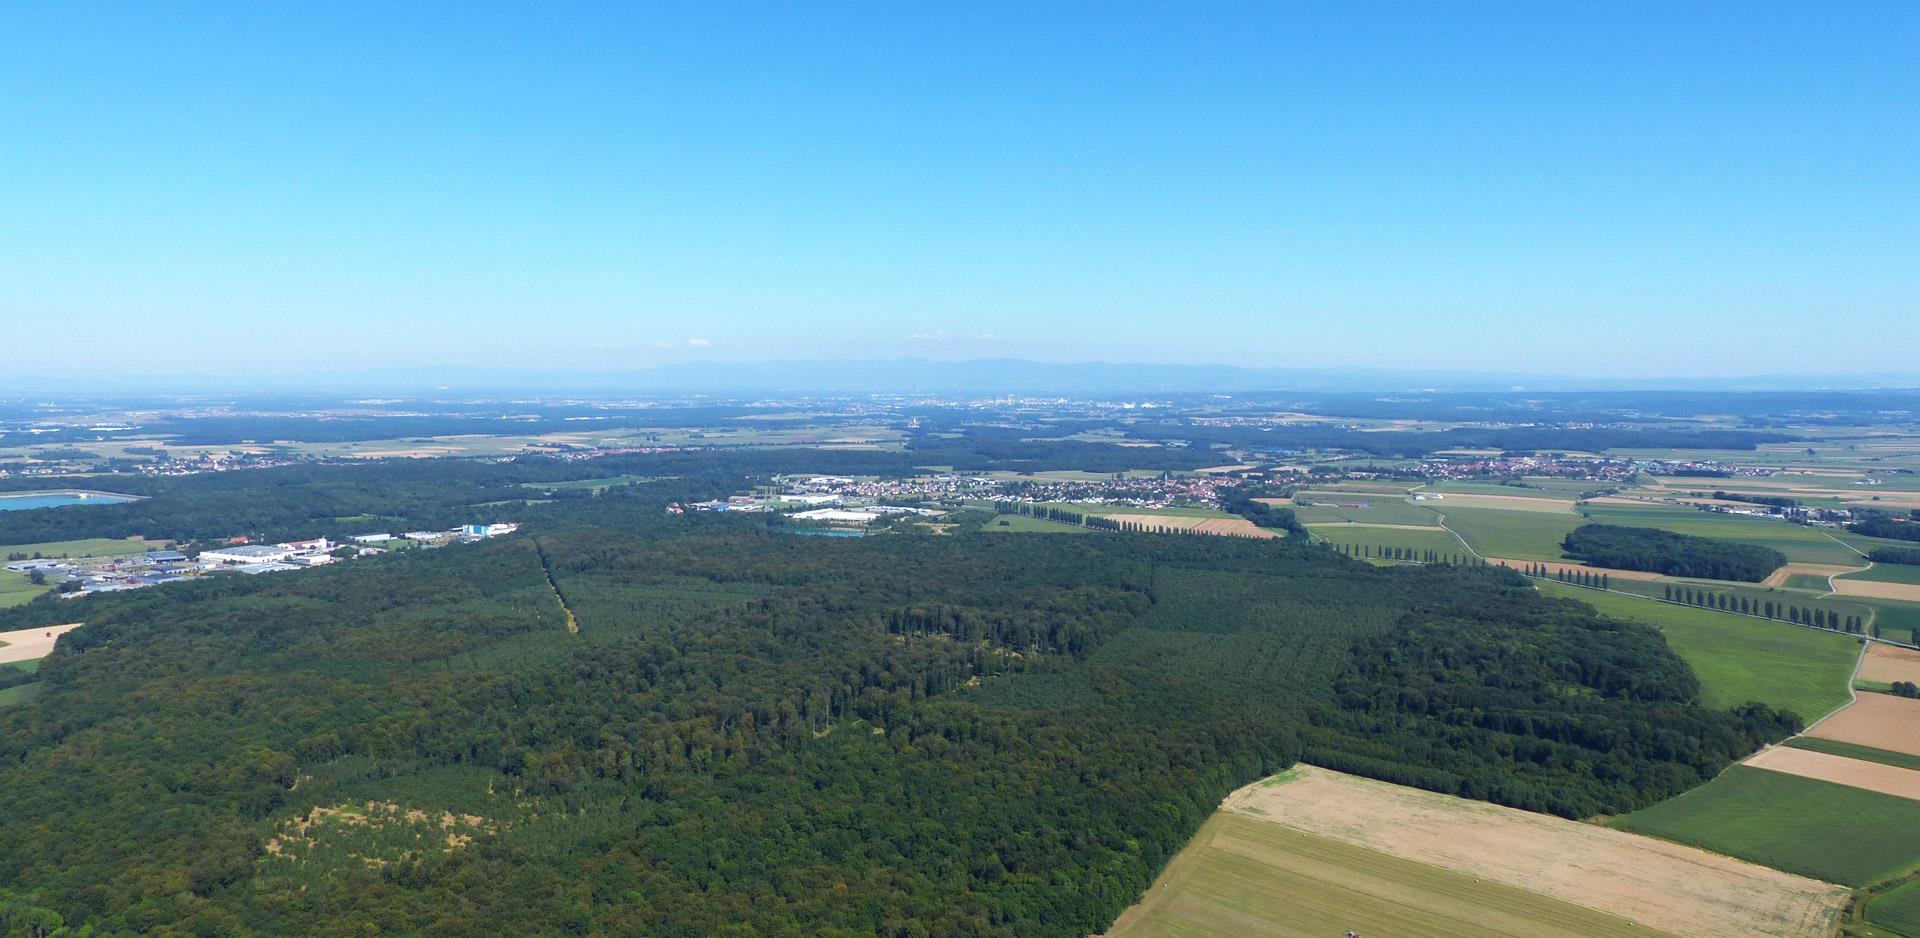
929	376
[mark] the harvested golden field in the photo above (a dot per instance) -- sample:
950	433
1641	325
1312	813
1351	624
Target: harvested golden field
1779	577
1876	589
1275	500
1840	770
1553	567
1313	852
1888	664
1221	527
29	644
1882	721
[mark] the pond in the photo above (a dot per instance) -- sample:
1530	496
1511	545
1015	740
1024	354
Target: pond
21	501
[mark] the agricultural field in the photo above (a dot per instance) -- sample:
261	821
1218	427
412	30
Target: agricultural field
1897	908
1888	573
1739	659
1805	581
1755	595
1359	509
1851	751
1840	770
1880	721
88	547
1799	543
1024	524
1315	852
1814	828
1514	535
1373	537
17	588
1887	663
1557	489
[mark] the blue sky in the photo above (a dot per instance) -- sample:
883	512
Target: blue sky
1625	189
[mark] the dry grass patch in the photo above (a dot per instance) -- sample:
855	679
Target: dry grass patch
1887	663
1881	721
375	833
1840	770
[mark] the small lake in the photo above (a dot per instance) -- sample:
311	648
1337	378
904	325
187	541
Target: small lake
21	501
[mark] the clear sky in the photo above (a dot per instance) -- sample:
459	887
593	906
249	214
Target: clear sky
1617	188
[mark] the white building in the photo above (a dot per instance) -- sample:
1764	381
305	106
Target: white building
246	554
372	538
844	515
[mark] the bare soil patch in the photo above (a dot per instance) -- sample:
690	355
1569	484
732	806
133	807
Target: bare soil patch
1888	663
1856	773
1881	721
1662	885
29	644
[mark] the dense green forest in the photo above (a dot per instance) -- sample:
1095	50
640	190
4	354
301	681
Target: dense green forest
1888	528
756	733
1651	549
1902	555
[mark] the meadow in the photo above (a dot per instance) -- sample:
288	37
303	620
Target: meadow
1418	540
1888	573
85	547
1512	535
16	588
1361	509
1025	524
1819	829
1739	659
1897	908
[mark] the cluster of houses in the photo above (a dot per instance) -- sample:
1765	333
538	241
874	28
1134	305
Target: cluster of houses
112	574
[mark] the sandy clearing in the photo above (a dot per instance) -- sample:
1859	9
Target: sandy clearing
1881	721
1553	506
1854	773
1555	567
1683	890
1888	663
28	644
1779	577
1878	590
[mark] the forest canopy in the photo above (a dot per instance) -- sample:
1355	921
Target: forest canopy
1655	551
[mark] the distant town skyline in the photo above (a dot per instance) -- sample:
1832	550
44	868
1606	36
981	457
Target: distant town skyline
1711	190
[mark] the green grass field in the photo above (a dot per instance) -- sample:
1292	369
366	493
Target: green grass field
1023	524
1552	489
1849	750
1888	573
1379	509
1832	832
16	588
1799	543
1739	658
1897	909
1416	539
1806	581
1761	595
19	694
1242	876
88	547
1516	535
